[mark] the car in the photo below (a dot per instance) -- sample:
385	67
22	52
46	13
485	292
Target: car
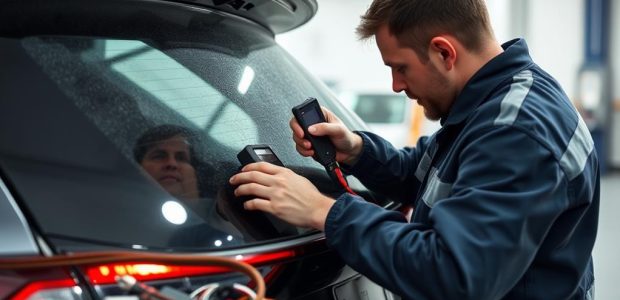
83	86
392	116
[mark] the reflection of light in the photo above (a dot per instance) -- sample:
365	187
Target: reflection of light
229	238
239	257
147	269
77	290
139	247
218	243
246	80
133	269
174	212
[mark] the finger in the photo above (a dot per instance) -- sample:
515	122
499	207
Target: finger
329	116
258	204
329	129
252	176
297	130
303	151
252	188
302	142
263	167
326	112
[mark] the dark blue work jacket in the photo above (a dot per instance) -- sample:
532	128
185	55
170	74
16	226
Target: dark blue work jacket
506	196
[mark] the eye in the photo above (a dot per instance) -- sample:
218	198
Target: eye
157	155
401	69
182	156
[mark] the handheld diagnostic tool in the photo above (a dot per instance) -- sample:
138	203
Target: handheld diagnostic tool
255	153
309	113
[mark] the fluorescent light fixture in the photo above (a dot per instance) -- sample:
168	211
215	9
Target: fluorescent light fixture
246	80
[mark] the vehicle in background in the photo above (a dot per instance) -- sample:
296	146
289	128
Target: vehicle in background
82	81
392	116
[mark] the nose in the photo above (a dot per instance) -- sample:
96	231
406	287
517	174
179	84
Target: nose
171	163
398	85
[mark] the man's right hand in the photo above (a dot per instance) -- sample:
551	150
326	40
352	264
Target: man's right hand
348	144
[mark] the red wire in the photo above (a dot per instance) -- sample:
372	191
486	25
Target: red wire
343	182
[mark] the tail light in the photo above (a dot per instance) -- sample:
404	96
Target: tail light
57	283
39	284
106	273
52	289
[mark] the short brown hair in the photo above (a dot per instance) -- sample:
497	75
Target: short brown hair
156	135
416	22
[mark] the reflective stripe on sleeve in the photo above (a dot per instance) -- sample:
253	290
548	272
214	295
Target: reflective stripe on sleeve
435	189
511	104
580	146
425	163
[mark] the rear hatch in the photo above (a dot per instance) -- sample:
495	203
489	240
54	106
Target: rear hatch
82	83
277	15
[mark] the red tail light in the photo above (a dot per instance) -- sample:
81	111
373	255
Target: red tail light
105	274
48	283
56	283
48	289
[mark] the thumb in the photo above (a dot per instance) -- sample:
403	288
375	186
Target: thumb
326	129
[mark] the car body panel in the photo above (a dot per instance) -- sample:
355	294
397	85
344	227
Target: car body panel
14	227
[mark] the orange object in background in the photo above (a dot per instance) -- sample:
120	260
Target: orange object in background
415	125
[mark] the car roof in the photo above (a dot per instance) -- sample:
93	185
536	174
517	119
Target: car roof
277	15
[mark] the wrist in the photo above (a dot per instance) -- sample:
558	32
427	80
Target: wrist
357	145
321	212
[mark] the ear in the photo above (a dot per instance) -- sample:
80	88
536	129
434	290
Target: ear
444	51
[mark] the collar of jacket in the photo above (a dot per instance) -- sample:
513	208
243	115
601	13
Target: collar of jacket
515	57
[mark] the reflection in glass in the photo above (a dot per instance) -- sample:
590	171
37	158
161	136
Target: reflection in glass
246	80
174	212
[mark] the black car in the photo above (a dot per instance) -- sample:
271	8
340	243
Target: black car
89	88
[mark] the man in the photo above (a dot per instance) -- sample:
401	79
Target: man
506	193
166	154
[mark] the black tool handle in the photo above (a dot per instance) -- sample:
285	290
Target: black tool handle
309	113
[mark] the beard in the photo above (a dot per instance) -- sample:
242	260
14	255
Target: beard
439	100
432	112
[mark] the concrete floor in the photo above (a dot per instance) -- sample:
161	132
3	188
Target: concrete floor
606	253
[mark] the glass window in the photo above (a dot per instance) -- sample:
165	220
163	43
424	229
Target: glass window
130	141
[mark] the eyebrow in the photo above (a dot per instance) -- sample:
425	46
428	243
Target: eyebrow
155	149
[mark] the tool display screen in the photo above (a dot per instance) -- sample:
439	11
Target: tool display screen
311	116
267	156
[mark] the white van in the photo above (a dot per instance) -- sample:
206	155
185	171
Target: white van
392	116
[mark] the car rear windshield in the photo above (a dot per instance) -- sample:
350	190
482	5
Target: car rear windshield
130	141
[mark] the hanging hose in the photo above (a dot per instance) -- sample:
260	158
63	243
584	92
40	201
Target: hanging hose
90	258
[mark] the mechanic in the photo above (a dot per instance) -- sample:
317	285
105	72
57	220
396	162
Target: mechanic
506	193
166	153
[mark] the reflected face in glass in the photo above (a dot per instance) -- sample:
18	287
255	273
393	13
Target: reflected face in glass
169	163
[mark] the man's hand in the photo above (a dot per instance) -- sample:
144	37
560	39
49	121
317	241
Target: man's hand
282	193
348	144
